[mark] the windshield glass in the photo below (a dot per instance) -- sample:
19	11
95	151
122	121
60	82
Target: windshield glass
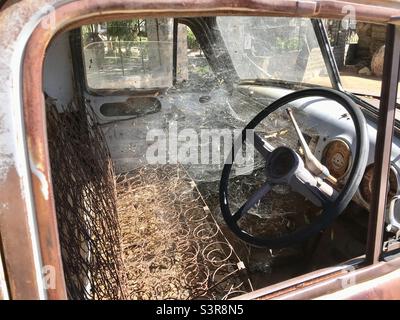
283	49
138	54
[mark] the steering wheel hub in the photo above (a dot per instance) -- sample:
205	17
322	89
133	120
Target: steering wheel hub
281	163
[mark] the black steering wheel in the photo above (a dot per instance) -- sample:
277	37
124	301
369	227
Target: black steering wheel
285	166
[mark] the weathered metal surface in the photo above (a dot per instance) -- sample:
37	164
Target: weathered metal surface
4	295
35	124
295	284
387	111
16	239
22	185
386	287
327	281
17	224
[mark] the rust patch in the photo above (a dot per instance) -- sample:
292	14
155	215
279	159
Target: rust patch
16	241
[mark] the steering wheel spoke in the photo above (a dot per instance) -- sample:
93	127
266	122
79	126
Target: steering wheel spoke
252	201
262	146
312	188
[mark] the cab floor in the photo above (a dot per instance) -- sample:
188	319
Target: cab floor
172	247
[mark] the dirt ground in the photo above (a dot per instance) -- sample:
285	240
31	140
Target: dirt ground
356	83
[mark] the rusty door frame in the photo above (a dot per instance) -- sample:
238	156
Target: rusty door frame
383	149
68	15
4	292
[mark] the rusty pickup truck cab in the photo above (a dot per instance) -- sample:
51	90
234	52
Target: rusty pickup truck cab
195	150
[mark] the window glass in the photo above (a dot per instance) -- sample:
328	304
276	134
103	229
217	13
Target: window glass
359	50
193	63
128	54
274	48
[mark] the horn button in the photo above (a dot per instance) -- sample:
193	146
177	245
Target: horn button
281	164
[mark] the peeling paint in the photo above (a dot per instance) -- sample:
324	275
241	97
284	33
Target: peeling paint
20	19
6	161
44	186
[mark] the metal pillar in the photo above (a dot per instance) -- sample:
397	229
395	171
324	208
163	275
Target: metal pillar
387	110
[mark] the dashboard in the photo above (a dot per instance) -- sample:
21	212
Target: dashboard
334	139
